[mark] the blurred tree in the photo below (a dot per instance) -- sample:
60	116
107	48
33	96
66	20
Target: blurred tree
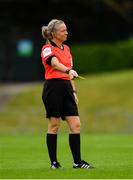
87	21
123	7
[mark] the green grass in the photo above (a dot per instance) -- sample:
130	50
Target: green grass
105	105
25	156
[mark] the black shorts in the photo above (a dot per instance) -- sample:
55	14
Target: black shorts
58	99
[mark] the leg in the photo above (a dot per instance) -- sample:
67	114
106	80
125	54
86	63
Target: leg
74	124
74	137
53	125
51	139
74	141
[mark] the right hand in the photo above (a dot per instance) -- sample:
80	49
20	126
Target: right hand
73	74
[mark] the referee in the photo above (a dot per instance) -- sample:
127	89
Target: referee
59	92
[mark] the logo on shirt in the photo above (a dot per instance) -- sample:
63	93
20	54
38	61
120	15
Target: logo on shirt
47	51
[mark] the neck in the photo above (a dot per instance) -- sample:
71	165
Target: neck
57	42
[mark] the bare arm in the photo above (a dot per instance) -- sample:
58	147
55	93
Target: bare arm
74	91
73	86
57	65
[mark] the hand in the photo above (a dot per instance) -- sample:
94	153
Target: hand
73	74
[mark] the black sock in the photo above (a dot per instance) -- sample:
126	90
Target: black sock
74	142
51	140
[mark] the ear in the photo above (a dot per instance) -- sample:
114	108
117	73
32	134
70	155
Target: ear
52	34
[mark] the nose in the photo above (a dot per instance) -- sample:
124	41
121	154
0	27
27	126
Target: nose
66	33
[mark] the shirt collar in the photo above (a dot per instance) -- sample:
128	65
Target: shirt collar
53	44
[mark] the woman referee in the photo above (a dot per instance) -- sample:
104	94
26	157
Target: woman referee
59	93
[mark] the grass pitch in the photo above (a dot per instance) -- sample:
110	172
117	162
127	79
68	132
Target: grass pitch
25	156
105	104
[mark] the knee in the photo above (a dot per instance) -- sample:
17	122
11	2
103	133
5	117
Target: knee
75	128
53	128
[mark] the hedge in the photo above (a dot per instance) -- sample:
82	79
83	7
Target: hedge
100	57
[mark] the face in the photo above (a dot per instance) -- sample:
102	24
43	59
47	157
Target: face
60	33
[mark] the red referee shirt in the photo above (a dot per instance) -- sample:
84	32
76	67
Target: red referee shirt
63	55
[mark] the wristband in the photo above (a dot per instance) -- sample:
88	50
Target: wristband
67	71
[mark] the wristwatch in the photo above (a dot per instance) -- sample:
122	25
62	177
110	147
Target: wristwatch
67	71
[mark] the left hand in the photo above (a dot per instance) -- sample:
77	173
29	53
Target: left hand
76	98
73	74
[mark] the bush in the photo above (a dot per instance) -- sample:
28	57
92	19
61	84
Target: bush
93	58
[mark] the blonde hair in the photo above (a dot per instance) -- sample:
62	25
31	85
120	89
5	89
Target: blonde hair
51	27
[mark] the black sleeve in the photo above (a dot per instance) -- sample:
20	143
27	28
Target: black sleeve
48	61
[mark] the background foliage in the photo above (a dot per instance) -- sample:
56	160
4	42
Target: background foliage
96	58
